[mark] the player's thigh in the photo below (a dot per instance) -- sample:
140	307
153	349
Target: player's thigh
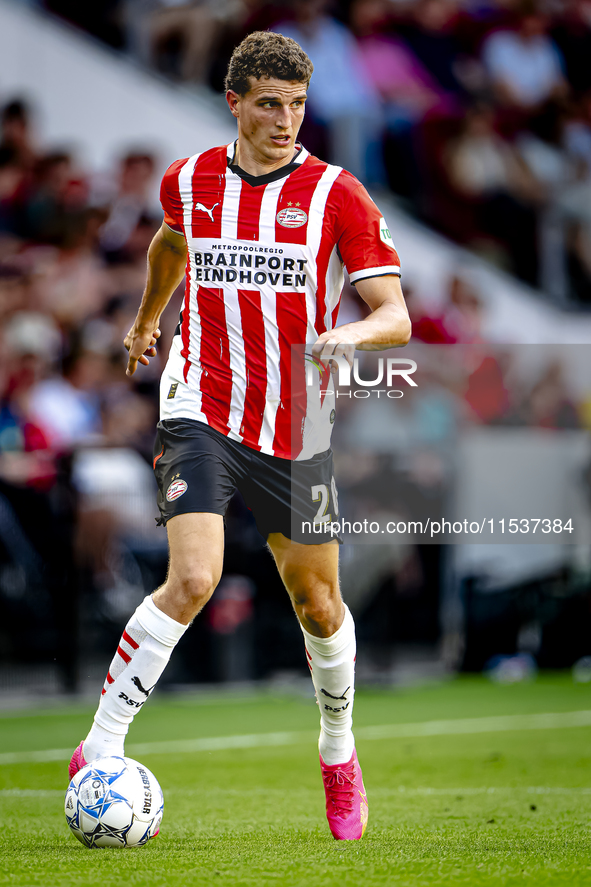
196	546
196	542
306	570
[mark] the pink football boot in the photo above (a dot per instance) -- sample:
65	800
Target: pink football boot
77	762
346	801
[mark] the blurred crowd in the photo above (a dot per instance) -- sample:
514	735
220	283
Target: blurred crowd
72	269
477	113
77	501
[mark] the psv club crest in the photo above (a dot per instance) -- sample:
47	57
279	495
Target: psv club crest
292	217
176	489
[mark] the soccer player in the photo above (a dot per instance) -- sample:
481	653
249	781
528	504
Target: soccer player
264	230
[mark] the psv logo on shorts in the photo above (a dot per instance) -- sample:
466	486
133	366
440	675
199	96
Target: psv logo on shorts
175	490
292	217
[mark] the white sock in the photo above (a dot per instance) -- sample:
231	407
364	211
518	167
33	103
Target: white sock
332	663
143	652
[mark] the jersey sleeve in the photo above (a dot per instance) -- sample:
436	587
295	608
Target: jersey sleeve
364	240
170	197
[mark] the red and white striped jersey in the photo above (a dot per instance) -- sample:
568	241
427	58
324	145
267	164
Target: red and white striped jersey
264	272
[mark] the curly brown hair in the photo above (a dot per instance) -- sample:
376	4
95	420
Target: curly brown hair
267	54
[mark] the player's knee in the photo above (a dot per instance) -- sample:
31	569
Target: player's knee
320	614
196	587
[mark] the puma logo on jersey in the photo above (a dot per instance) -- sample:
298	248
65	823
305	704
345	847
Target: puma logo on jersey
135	680
204	209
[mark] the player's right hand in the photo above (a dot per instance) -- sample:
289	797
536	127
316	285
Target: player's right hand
141	347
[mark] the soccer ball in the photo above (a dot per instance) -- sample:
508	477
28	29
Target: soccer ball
114	802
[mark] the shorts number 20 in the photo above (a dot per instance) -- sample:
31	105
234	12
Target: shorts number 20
320	494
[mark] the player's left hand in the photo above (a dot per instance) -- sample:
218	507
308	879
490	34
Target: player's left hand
329	345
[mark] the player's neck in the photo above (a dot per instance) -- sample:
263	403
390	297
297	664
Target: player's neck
251	162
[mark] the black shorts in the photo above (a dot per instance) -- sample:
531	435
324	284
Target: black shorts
198	470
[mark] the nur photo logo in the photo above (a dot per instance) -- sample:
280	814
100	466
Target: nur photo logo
389	371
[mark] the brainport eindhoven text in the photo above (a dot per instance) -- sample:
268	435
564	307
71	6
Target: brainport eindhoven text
278	270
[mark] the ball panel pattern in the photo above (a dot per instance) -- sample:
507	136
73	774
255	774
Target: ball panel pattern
114	802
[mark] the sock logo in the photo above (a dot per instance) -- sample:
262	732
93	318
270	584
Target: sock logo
330	696
342	698
135	680
130	701
337	710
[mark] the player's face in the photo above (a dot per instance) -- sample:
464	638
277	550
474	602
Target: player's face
269	117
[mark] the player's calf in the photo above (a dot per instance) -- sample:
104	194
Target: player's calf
332	664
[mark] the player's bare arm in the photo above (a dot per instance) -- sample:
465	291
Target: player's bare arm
387	326
167	257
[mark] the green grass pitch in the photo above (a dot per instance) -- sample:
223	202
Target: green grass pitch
506	807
